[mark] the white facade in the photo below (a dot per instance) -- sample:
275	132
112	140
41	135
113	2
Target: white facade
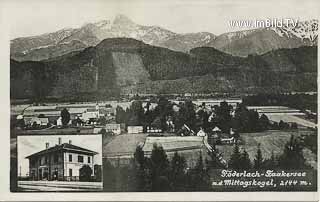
114	128
90	115
75	165
201	133
135	129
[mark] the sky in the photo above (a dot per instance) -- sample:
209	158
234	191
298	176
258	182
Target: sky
34	17
28	145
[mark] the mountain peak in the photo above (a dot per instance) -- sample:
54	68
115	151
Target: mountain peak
123	20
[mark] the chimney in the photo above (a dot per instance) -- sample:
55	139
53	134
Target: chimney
47	145
70	142
59	140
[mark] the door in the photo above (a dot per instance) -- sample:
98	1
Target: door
40	174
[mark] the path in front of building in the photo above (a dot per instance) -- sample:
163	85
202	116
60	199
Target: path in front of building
58	186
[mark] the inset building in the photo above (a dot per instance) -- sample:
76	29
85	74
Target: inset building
60	162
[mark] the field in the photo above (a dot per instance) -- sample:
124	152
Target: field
291	118
122	144
270	141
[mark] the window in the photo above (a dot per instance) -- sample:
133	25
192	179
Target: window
46	160
42	160
80	159
70	172
89	159
70	157
56	158
32	162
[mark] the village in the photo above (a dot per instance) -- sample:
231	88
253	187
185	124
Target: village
199	128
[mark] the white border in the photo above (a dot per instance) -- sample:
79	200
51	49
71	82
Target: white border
5	194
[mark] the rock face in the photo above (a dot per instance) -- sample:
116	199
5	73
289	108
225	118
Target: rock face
121	65
242	43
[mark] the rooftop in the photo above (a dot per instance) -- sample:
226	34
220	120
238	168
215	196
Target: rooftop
64	147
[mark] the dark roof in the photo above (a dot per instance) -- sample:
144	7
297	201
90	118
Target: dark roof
64	147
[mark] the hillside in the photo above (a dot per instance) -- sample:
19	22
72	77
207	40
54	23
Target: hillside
123	65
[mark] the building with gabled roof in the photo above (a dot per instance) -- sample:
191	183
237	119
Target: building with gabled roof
60	162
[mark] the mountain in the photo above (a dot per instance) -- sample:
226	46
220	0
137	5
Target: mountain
241	43
186	42
88	35
123	65
259	41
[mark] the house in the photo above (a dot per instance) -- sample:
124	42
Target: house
135	129
216	130
230	140
153	130
187	95
90	114
108	112
60	162
201	133
59	121
114	128
37	120
97	130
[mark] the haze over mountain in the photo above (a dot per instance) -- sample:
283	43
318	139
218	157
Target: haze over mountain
122	65
241	43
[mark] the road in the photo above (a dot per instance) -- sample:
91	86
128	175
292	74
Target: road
58	186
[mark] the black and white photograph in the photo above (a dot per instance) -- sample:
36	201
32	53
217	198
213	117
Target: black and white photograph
163	96
59	163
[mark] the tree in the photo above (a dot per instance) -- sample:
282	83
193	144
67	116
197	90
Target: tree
283	125
234	161
20	123
186	115
177	172
270	163
159	168
294	125
254	125
139	172
264	122
108	106
65	116
121	115
245	162
157	123
258	161
110	175
292	157
223	116
41	116
139	157
200	177
203	119
163	110
241	119
136	113
102	120
85	173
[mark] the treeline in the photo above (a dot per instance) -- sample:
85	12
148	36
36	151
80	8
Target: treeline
196	117
291	158
156	173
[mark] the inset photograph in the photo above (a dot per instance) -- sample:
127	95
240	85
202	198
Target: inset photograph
59	163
